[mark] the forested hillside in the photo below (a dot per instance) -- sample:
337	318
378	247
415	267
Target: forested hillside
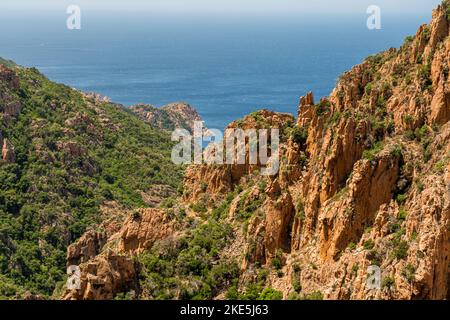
64	154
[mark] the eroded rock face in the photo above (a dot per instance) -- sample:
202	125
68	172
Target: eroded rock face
12	109
105	258
202	179
10	106
71	149
143	229
8	154
9	77
104	276
363	187
279	216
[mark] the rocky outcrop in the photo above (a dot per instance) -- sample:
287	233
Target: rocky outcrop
86	248
169	117
216	180
8	154
12	108
143	229
103	277
440	104
372	184
105	258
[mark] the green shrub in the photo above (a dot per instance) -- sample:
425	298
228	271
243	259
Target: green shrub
371	153
368	89
191	266
420	186
247	207
447	6
427	155
425	76
296	285
396	151
277	261
293	296
333	119
409	40
408	272
402	214
374	257
408	118
252	291
369	244
124	296
401	250
401	198
351	246
323	107
408	80
270	294
168	203
299	211
427	32
386	90
394	227
299	134
8	289
409	134
199	207
388	282
315	295
232	293
440	166
421	133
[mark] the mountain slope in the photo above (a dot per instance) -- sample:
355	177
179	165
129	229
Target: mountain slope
364	181
64	155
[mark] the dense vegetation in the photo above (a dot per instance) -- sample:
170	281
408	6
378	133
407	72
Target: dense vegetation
191	267
72	154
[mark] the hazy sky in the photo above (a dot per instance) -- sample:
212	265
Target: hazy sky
224	6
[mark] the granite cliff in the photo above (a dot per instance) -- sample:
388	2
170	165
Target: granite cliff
364	181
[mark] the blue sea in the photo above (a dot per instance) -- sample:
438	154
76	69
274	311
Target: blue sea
225	67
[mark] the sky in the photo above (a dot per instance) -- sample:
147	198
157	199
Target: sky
266	7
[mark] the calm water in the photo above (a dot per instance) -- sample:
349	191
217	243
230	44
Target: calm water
226	68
